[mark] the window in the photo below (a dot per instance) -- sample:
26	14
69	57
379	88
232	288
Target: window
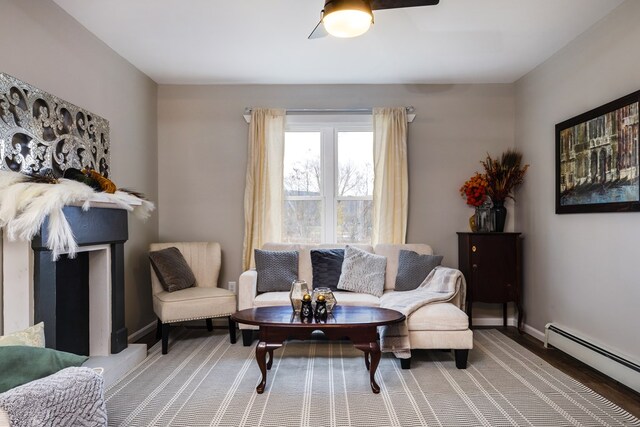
328	180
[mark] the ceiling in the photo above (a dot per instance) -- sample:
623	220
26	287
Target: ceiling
265	41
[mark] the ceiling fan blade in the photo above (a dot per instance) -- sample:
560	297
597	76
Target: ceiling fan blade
318	32
396	4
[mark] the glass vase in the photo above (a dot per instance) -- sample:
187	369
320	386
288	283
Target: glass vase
484	219
298	290
328	297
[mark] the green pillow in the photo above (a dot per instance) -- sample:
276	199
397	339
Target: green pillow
20	364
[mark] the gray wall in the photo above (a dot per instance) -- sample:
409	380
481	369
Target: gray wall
43	45
202	154
581	269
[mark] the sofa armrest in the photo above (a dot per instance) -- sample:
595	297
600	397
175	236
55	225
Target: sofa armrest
247	289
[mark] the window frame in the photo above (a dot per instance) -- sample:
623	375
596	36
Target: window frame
329	127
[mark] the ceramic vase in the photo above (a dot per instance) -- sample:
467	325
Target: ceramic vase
499	215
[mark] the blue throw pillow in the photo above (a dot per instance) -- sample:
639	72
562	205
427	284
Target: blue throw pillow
327	266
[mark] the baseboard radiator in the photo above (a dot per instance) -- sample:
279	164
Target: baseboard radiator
616	366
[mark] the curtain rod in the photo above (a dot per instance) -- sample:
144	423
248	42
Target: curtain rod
410	111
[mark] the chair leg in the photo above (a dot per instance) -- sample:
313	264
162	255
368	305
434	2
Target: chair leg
405	363
165	338
159	329
461	358
232	330
209	325
247	337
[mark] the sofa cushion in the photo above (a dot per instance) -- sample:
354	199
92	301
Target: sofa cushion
392	252
276	270
441	316
362	272
413	268
172	269
327	266
343	298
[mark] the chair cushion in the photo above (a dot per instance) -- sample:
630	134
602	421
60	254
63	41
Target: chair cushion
441	316
194	303
413	268
276	270
172	269
22	364
326	265
363	272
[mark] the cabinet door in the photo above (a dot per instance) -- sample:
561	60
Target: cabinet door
493	261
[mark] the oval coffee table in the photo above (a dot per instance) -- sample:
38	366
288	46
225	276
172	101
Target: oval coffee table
358	324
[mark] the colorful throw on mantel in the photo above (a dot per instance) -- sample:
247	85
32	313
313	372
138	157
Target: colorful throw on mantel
24	205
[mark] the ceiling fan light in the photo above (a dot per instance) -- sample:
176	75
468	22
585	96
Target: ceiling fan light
347	23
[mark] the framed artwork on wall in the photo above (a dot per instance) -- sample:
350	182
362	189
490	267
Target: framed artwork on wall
597	159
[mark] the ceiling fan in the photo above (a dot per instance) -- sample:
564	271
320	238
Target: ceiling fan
351	18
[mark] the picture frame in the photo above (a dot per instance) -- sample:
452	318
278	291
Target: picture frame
598	159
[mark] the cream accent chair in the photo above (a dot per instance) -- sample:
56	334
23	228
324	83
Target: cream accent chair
202	301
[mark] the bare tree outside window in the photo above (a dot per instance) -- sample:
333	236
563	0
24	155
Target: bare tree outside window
305	215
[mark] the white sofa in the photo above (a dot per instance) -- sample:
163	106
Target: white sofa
433	326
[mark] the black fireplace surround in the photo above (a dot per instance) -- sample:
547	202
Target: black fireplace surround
61	293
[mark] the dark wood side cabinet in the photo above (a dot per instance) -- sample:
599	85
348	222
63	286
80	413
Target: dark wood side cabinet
492	266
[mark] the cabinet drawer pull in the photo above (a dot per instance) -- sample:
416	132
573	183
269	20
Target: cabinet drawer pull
473	248
475	266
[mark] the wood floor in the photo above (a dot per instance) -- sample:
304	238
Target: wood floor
601	384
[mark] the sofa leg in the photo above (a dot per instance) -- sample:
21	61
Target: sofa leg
405	363
159	329
232	330
209	324
165	338
461	358
247	337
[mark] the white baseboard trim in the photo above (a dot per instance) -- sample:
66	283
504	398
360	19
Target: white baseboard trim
609	361
533	332
142	332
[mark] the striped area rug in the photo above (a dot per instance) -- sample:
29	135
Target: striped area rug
205	381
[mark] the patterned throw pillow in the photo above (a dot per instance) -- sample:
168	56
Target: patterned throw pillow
363	272
33	336
172	269
276	270
413	268
326	265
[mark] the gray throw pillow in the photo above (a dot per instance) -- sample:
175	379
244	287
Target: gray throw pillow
327	266
172	269
413	268
276	270
362	272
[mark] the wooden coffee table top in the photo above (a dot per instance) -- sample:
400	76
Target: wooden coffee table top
340	317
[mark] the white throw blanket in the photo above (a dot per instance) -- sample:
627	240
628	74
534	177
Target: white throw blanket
24	206
441	285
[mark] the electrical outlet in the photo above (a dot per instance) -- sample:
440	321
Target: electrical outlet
232	287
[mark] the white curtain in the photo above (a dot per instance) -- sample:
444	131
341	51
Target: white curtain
263	193
391	182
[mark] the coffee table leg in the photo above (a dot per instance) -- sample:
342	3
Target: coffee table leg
261	355
366	359
375	359
270	362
